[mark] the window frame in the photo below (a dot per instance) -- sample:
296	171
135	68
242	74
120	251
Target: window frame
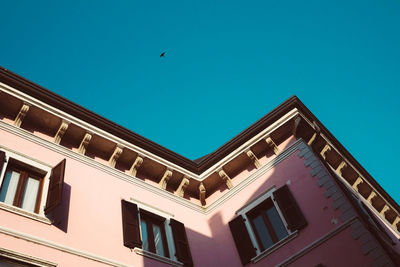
41	199
149	211
253	206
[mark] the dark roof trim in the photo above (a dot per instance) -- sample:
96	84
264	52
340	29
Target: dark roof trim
197	166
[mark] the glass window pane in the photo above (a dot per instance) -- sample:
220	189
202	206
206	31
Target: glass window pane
277	223
158	240
10	183
30	194
145	240
262	232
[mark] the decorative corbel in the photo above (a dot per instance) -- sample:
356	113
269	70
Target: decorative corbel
202	193
272	145
225	178
396	221
370	197
115	156
316	133
340	168
356	183
164	180
61	131
384	210
327	148
21	114
182	187
135	166
84	144
254	158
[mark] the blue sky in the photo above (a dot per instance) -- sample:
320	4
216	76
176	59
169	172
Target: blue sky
227	64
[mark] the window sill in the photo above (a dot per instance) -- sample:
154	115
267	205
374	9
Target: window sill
24	213
154	256
276	246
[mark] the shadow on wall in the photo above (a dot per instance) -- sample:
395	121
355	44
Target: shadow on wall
60	215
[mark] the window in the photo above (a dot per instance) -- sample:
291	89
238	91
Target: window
153	233
266	222
29	185
22	186
154	236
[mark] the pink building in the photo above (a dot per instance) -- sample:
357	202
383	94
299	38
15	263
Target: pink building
79	190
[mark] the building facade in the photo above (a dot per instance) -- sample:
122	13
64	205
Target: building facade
79	190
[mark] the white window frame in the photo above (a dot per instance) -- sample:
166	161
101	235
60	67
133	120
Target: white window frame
40	216
250	206
172	260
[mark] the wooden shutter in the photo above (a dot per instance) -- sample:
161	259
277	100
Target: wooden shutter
290	209
130	225
2	159
54	196
242	240
181	243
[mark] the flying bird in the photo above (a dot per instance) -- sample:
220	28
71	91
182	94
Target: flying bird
162	54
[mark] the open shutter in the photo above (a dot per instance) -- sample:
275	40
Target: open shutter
242	240
181	243
130	225
2	159
290	209
54	196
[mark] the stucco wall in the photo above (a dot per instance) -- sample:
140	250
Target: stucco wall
94	219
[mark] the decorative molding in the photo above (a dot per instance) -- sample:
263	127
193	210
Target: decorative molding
136	165
95	164
384	210
140	183
54	245
21	114
115	156
357	183
254	158
164	180
24	213
99	132
182	187
84	144
157	257
202	194
272	145
226	179
20	257
341	166
61	131
325	150
371	196
254	176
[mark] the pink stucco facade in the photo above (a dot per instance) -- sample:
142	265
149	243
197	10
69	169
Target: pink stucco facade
95	227
87	229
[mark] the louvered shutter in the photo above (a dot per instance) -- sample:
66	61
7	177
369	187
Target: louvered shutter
130	225
2	159
181	243
290	209
54	196
242	240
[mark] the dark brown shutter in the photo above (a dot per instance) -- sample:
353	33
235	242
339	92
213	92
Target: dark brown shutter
242	240
2	159
181	243
130	225
54	196
290	209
